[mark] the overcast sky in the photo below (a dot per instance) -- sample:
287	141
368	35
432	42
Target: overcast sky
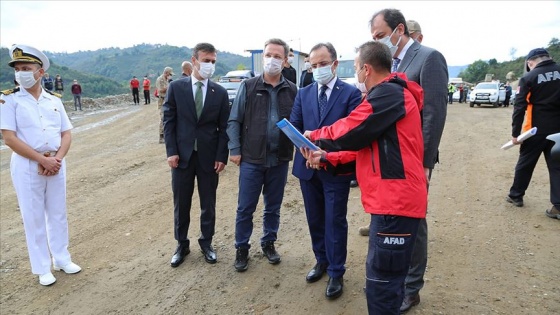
464	31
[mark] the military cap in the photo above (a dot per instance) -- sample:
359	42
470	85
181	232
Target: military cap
25	53
168	69
413	26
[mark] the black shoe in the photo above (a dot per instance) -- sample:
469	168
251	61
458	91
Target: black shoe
270	252
316	273
209	254
334	288
241	259
353	183
179	256
409	301
518	202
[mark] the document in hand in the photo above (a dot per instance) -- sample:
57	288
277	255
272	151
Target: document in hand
522	137
297	138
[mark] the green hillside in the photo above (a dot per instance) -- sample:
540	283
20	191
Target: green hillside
144	59
92	85
477	71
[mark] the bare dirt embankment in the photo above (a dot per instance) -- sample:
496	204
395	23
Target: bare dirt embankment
485	256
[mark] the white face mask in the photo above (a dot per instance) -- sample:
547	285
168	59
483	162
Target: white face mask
272	66
290	60
206	69
307	65
26	78
323	75
360	85
387	41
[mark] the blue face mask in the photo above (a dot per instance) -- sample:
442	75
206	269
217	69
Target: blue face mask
323	75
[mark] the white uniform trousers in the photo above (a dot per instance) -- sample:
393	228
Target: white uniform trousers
42	203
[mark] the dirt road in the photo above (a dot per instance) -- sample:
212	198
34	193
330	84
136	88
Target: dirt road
485	255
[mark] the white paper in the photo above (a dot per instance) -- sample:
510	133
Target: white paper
522	137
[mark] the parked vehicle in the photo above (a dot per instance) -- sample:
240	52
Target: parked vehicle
231	84
492	93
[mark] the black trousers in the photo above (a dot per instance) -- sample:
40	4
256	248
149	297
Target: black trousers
136	95
146	96
182	183
529	155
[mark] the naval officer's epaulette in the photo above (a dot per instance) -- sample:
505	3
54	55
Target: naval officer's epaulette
53	93
10	91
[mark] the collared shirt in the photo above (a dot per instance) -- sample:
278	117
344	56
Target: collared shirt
204	87
38	123
329	89
405	49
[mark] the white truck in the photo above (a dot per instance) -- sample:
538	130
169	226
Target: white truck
492	93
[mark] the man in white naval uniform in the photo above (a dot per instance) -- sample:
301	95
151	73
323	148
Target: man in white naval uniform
36	127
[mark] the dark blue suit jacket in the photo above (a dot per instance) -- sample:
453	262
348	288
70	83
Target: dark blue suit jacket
305	116
181	127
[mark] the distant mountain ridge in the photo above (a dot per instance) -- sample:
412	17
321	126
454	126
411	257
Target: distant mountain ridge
121	64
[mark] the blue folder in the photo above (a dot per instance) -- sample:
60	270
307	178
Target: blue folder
297	138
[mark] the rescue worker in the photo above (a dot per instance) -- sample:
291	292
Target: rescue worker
537	104
40	137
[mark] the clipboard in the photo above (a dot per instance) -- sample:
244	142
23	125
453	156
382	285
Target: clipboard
295	136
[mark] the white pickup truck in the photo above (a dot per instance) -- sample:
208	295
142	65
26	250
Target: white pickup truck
492	93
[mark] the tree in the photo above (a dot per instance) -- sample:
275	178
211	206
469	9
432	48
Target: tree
554	41
475	72
512	52
493	62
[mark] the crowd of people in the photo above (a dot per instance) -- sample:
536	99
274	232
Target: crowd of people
383	131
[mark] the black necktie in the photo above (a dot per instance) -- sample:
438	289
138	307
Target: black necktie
323	100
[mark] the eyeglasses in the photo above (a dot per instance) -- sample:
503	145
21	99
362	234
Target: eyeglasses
321	64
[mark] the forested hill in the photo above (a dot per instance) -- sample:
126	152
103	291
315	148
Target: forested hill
144	59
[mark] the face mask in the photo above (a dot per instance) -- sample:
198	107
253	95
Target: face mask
206	69
307	65
26	78
272	66
323	75
387	41
290	60
360	85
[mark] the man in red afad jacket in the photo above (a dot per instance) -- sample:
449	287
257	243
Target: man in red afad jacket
134	85
385	130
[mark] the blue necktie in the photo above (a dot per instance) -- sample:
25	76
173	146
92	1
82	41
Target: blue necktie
396	62
323	100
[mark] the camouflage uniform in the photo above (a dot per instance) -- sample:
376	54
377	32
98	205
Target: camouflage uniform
161	84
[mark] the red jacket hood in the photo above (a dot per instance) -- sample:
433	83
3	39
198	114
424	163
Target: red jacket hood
414	88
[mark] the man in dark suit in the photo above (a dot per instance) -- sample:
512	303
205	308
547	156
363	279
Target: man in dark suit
325	195
427	67
195	114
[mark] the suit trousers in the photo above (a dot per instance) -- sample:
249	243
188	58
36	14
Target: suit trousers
391	240
529	154
414	281
182	183
326	205
254	178
42	203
